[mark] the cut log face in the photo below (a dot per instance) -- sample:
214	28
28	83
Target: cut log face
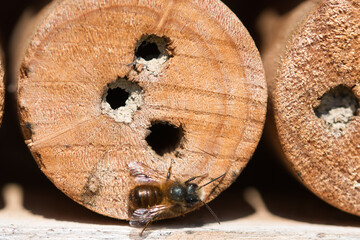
315	101
106	83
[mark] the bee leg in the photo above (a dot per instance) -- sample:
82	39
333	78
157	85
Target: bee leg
147	224
169	172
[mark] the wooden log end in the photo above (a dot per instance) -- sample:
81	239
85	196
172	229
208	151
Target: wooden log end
315	101
155	82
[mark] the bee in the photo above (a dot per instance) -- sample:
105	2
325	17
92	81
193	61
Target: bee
157	196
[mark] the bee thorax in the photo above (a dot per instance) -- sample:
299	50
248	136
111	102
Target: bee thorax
177	193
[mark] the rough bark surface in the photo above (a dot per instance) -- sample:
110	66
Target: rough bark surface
208	82
313	68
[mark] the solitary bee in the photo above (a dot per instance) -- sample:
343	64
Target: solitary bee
158	196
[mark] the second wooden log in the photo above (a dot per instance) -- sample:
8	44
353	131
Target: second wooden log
311	57
106	83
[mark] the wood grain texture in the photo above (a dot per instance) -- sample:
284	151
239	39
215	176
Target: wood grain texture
309	53
212	87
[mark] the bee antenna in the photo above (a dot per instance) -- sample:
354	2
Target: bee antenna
211	181
211	211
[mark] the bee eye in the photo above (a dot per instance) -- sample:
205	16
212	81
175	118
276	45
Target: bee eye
177	193
191	199
191	188
191	196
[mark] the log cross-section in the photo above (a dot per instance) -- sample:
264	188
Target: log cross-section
106	83
311	57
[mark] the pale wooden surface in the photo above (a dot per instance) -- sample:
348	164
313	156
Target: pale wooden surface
213	87
25	216
307	53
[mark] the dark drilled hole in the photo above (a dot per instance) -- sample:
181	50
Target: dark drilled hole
164	137
117	97
148	50
152	47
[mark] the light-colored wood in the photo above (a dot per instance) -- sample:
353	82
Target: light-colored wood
306	54
212	86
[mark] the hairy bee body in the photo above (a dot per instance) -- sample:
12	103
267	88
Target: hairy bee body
145	196
156	196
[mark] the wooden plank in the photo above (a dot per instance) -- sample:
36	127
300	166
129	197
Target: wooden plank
16	222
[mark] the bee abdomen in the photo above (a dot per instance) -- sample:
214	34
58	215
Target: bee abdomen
145	196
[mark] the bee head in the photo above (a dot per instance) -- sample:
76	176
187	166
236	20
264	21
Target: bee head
192	196
188	193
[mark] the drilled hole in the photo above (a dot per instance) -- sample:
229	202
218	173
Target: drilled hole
164	137
337	108
148	50
121	99
117	97
152	52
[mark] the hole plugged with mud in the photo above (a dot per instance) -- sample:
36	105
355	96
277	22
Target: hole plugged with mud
117	97
151	47
337	108
121	99
164	137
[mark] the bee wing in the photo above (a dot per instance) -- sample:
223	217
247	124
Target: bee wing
144	174
141	216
